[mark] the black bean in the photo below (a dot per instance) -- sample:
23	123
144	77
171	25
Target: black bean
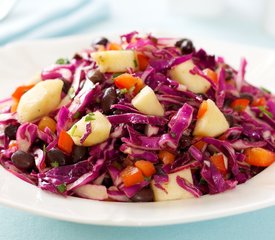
230	119
66	86
22	160
56	157
107	182
108	99
159	170
144	195
10	131
79	153
186	141
95	76
101	41
247	96
186	46
78	56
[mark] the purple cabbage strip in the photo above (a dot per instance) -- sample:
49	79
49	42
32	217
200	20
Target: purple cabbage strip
87	132
196	153
135	118
115	194
159	180
178	124
63	119
215	180
25	136
139	153
87	177
220	93
55	177
86	95
39	157
240	75
189	187
133	190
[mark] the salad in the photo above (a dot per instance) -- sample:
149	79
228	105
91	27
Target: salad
140	120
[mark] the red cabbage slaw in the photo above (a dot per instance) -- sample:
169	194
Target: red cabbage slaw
134	135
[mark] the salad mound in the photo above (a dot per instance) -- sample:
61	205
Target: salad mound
146	119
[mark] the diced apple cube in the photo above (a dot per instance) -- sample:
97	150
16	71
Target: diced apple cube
100	126
146	102
40	100
193	82
173	190
213	123
115	60
91	191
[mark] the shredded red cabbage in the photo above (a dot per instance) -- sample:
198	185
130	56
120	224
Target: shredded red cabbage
110	170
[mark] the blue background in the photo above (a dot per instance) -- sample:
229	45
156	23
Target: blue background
15	224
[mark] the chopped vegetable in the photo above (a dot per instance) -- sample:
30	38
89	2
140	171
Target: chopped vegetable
113	46
259	102
143	61
128	82
47	122
211	75
65	142
218	161
18	93
146	167
240	104
259	157
131	176
166	157
202	109
265	111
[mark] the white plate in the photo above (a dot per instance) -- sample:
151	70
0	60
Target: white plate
19	62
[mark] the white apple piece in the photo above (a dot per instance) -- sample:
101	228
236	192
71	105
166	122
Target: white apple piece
115	60
213	123
147	102
100	127
40	100
91	191
194	82
174	191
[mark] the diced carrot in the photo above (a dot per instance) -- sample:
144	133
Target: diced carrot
200	145
139	85
211	74
143	61
166	157
47	122
14	106
259	102
240	104
18	93
128	81
202	109
222	137
114	46
146	167
259	157
131	176
218	161
65	142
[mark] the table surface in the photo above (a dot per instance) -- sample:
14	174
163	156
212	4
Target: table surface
15	224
